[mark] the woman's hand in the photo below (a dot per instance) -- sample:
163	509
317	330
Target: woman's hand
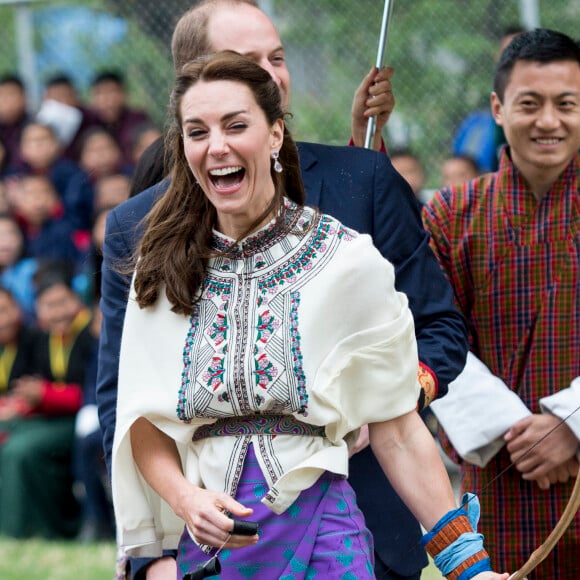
156	455
203	513
491	576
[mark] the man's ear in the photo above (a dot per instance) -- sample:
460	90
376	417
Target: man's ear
496	108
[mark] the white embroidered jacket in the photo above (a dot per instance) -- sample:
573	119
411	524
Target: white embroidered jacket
306	323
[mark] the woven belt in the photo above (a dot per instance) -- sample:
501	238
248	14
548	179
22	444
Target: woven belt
257	425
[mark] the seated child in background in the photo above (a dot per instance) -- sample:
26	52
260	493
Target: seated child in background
110	191
36	497
99	156
38	208
142	136
41	154
16	270
16	354
13	111
61	88
109	99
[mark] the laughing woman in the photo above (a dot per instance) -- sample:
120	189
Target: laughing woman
259	337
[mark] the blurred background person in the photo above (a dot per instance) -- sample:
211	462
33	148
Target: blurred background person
91	481
13	111
457	169
410	167
111	190
109	100
17	269
59	88
17	342
36	493
40	212
142	136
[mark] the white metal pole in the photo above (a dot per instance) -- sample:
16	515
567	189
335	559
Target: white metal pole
530	14
25	48
383	38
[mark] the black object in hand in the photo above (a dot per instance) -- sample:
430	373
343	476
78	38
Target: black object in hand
211	568
245	528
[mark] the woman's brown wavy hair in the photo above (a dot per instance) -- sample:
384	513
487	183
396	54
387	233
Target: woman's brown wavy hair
175	247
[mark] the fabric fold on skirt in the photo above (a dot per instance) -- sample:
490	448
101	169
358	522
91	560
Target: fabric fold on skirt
321	535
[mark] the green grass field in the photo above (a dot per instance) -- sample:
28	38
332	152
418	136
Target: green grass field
41	560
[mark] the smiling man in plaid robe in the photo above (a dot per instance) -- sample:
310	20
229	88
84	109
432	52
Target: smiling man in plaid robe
509	243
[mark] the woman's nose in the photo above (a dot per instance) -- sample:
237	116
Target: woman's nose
218	146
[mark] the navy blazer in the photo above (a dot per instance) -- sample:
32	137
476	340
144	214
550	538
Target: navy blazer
362	190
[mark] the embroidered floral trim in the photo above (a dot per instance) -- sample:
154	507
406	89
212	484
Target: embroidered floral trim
264	239
345	234
185	380
264	370
268	365
297	353
214	375
267	324
213	287
218	331
302	262
219	328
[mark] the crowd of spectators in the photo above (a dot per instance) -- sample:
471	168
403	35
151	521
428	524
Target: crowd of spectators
62	168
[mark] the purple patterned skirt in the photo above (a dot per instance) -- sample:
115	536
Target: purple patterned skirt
321	535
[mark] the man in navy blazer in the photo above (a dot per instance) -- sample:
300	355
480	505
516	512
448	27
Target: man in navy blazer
362	190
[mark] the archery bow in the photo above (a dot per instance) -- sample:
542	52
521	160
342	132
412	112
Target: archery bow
541	553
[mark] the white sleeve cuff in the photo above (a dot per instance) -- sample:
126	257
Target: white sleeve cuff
565	404
477	411
87	421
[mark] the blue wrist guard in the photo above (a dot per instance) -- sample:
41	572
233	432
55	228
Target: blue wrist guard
456	548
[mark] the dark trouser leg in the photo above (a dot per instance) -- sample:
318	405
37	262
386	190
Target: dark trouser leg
383	572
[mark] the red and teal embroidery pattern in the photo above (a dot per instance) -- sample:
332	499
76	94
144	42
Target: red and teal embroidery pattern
297	353
242	352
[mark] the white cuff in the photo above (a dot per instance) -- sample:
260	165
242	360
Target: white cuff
565	404
477	411
87	421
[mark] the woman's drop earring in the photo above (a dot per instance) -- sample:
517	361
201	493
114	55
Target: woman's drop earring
277	164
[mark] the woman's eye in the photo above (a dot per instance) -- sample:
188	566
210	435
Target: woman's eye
195	133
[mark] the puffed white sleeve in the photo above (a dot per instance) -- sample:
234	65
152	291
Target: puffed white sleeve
369	373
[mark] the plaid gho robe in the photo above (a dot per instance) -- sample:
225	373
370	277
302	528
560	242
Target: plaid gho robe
514	264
